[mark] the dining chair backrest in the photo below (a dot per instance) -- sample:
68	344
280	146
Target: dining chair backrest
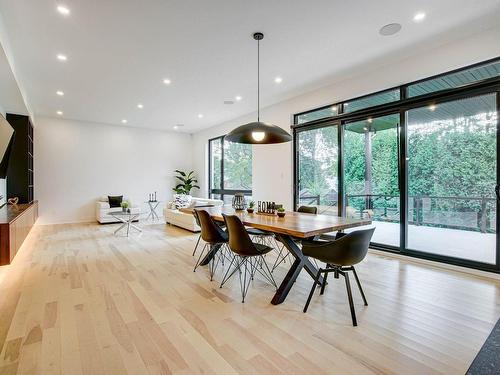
348	250
210	231
308	209
239	239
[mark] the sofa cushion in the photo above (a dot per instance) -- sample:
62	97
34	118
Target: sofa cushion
115	201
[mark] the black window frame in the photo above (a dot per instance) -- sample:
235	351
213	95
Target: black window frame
486	86
221	191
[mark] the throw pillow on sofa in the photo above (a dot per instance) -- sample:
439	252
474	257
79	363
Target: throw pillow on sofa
115	201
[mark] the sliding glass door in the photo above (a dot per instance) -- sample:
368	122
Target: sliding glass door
371	176
317	169
452	173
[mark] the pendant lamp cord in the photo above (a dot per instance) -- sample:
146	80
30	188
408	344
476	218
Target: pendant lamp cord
258	80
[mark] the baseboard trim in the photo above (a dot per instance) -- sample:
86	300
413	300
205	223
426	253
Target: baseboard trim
434	264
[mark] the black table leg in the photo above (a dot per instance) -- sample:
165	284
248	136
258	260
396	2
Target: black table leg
300	262
210	254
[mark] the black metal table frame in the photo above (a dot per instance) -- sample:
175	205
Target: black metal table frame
300	262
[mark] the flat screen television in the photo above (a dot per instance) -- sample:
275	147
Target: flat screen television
6	139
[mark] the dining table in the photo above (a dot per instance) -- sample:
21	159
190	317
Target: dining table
288	229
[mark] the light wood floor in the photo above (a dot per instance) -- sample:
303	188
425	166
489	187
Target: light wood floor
78	300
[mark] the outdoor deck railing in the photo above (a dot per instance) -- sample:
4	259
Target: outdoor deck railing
465	213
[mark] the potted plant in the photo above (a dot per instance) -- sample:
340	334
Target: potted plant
281	211
185	183
125	206
251	207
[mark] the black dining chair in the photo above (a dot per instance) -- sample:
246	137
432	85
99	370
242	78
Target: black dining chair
281	258
213	235
248	256
340	257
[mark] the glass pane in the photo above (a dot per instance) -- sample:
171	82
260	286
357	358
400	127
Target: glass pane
451	178
371	175
457	79
319	114
215	163
372	100
318	169
237	166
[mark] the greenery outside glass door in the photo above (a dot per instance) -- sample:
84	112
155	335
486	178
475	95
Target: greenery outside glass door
371	175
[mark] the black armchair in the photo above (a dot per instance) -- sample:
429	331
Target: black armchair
340	257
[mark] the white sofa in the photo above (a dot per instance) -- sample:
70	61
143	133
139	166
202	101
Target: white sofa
175	217
102	209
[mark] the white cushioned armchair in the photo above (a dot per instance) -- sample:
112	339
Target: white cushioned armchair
102	209
181	219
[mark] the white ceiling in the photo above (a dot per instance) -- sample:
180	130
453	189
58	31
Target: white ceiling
119	51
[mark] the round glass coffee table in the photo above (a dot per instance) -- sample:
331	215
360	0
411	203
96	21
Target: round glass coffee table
126	218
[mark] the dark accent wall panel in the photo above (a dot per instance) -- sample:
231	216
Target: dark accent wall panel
20	181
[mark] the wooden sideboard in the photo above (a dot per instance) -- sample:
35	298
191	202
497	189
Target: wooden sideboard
16	222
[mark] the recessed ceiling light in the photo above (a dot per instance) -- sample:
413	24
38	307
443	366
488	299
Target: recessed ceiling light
365	128
334	108
370	120
390	29
432	107
63	9
124	121
200	115
62	57
418	17
59	113
60	93
238	98
278	80
167	81
140	106
178	126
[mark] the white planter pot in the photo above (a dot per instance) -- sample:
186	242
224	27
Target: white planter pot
182	200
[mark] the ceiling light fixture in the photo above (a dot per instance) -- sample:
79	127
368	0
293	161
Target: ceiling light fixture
60	93
178	126
432	107
258	132
370	120
62	57
140	106
63	9
390	29
200	115
238	98
418	17
59	113
124	121
167	81
278	80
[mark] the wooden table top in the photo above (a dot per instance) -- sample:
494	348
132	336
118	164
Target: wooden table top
295	224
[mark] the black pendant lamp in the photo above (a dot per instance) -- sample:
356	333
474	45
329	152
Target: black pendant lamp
258	132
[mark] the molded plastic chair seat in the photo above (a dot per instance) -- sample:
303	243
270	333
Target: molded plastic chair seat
340	257
213	235
248	256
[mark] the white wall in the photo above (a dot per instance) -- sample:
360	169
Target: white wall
76	162
272	164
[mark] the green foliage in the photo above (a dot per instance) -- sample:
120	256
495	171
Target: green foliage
125	204
280	209
251	204
237	166
186	182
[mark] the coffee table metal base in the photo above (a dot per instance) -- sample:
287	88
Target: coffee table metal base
127	222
